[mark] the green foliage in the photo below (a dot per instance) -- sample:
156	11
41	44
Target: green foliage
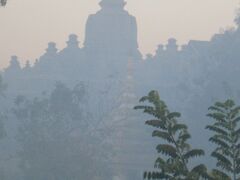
3	116
3	2
226	138
55	138
3	86
175	153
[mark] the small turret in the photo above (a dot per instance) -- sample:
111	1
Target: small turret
13	68
172	45
14	63
73	41
160	50
149	57
51	50
27	65
112	3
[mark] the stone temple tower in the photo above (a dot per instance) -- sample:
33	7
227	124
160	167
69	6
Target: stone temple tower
111	36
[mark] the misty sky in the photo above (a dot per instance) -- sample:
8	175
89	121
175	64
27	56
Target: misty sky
26	26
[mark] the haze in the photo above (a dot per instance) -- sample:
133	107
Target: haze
28	25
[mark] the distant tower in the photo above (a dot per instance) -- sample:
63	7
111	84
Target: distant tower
72	50
46	60
27	65
71	60
111	33
73	41
172	46
13	73
160	50
51	50
112	30
14	66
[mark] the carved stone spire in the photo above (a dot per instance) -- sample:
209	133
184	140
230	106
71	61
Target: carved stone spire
73	41
51	50
112	3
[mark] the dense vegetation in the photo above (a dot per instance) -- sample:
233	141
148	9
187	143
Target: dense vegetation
55	137
175	153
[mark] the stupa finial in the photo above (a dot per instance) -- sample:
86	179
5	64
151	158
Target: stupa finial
112	3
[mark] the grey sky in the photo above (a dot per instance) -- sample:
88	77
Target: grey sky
26	26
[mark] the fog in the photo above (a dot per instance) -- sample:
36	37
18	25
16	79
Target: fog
74	111
37	22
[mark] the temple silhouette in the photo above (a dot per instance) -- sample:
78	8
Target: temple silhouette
116	74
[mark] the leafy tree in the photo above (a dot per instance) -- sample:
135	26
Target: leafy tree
55	139
3	87
3	117
3	2
176	152
226	138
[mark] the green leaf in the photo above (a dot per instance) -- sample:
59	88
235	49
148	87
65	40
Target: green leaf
224	138
193	153
164	135
221	158
160	163
199	169
236	120
178	127
229	103
238	170
145	175
217	130
167	150
157	123
184	137
221	175
173	115
220	105
234	112
225	125
160	175
146	109
219	142
214	108
218	116
224	166
237	132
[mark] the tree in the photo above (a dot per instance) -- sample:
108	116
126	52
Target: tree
176	152
226	138
55	139
3	87
3	117
3	2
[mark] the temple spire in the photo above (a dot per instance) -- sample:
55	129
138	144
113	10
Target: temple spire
51	48
112	3
73	41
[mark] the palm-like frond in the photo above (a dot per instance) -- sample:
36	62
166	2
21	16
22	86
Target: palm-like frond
173	163
219	175
219	142
184	136
164	135
167	149
226	138
157	124
199	171
217	130
217	116
193	153
178	127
